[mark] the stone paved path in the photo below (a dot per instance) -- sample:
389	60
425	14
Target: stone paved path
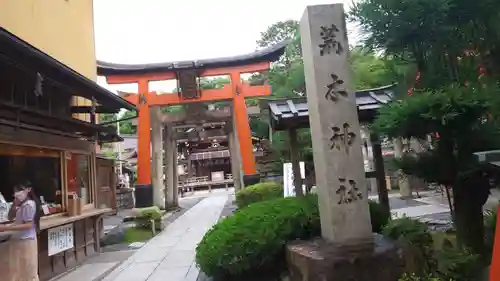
170	255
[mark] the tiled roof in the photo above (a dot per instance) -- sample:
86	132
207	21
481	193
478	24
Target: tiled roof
271	53
294	113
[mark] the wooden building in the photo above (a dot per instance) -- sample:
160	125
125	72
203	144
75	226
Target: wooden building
40	141
293	114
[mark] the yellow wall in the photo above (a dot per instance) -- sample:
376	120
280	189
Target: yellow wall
64	29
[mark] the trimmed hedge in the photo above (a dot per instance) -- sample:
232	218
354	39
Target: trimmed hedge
253	240
259	192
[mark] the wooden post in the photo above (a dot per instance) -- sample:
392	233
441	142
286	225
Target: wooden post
144	139
143	188
495	259
383	195
294	157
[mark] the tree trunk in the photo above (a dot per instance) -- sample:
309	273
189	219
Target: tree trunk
468	217
383	195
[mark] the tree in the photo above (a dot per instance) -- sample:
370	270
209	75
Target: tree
446	39
372	71
126	126
460	116
214	83
280	32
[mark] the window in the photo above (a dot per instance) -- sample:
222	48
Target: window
41	167
78	176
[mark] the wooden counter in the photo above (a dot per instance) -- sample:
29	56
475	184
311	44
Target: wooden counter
62	219
86	241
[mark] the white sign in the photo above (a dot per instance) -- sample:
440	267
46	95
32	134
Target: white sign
288	184
217	176
60	239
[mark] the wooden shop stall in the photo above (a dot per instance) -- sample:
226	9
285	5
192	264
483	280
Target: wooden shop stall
42	141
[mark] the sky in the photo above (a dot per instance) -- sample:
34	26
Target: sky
149	31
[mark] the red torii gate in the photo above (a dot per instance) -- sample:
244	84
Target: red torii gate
187	74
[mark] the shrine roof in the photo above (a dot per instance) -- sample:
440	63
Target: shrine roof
294	113
25	56
271	53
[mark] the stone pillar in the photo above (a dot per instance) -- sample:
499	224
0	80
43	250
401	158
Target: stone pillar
235	160
417	184
338	160
175	173
236	140
169	168
157	158
347	249
403	182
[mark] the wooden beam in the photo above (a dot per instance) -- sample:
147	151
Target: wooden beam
249	91
88	109
206	95
25	136
135	78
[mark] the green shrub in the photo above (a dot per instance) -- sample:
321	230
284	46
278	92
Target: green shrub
418	243
259	192
146	215
152	213
413	277
458	265
379	215
253	240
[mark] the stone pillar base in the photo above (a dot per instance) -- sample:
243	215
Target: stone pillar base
319	260
251	179
143	195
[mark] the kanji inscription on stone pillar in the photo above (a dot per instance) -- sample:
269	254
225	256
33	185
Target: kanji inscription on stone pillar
338	160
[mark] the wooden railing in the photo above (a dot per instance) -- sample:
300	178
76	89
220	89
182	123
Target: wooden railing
205	181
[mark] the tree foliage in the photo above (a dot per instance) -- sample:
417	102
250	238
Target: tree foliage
126	126
445	38
451	43
280	32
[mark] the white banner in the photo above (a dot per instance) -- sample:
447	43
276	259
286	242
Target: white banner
288	184
60	239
